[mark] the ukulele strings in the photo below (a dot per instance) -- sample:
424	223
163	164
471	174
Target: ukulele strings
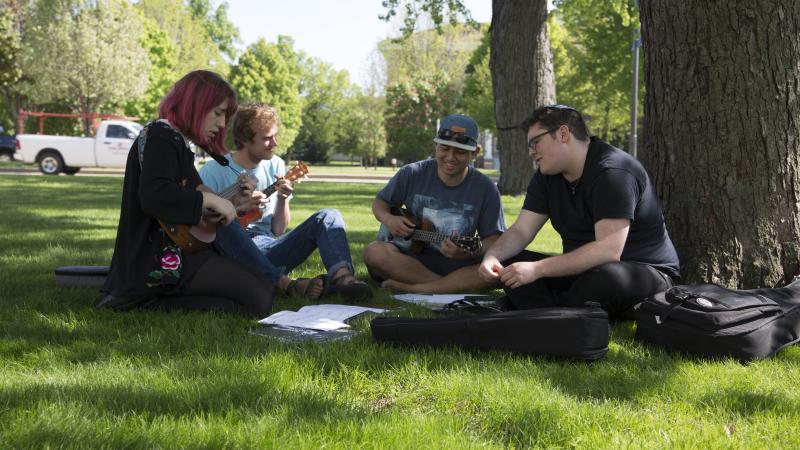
434	236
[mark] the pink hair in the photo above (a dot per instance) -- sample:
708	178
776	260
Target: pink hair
188	102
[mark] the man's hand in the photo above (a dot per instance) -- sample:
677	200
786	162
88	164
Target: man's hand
247	183
520	273
244	202
399	226
490	269
453	251
284	188
247	198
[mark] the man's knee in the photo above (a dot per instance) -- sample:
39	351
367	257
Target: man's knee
632	278
330	217
618	286
378	255
375	254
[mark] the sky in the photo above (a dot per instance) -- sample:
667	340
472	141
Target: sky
341	32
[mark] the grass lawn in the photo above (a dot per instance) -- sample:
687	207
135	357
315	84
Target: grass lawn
73	376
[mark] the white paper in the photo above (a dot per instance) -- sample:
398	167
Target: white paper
318	317
439	299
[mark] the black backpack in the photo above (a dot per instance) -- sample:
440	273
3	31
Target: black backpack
709	320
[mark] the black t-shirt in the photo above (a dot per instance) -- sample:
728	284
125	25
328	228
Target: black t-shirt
614	185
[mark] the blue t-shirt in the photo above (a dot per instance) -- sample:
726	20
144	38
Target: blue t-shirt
219	178
473	205
613	185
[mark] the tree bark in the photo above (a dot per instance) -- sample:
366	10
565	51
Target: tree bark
522	80
722	134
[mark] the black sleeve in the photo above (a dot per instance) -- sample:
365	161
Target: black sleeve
615	194
164	193
536	196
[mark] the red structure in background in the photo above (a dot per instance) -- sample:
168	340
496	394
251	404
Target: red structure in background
94	117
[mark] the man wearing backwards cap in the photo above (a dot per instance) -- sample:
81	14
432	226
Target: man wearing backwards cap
455	199
600	200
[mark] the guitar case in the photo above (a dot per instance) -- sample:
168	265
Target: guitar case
567	333
81	276
712	321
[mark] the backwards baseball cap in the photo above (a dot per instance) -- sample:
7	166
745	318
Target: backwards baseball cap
458	131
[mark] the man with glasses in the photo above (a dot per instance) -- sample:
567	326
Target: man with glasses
434	247
616	249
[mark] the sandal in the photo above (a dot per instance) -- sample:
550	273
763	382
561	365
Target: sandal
352	290
293	289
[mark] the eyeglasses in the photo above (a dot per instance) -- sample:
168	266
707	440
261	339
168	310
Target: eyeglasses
535	140
448	135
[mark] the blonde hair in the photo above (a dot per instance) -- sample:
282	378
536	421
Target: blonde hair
248	118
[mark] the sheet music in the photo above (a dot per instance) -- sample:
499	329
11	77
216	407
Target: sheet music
318	317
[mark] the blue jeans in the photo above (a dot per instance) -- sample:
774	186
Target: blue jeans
323	230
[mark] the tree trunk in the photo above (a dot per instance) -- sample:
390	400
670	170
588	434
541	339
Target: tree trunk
522	80
722	134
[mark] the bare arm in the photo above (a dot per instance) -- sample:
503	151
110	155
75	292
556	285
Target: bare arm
610	237
513	241
397	225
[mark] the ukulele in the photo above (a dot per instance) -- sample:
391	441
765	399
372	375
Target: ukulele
295	173
192	238
424	234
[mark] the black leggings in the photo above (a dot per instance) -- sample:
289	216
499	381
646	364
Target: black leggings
616	286
221	284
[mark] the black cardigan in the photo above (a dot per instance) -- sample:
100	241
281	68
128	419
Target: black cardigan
160	182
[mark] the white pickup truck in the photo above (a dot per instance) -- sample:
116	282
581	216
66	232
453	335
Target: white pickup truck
54	154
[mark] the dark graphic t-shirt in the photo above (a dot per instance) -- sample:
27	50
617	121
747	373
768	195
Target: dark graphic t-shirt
472	206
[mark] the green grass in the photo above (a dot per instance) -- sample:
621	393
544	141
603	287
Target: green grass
73	376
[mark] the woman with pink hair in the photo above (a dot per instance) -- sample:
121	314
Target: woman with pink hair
162	186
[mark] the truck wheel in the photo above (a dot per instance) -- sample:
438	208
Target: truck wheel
50	163
71	170
6	155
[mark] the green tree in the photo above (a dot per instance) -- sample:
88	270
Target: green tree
14	84
521	66
220	29
10	65
326	94
591	42
412	109
447	50
195	46
477	99
162	75
263	74
363	129
437	10
85	54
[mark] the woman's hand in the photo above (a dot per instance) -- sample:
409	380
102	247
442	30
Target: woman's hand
220	206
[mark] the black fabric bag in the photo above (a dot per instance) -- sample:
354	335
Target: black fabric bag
84	276
573	333
709	320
